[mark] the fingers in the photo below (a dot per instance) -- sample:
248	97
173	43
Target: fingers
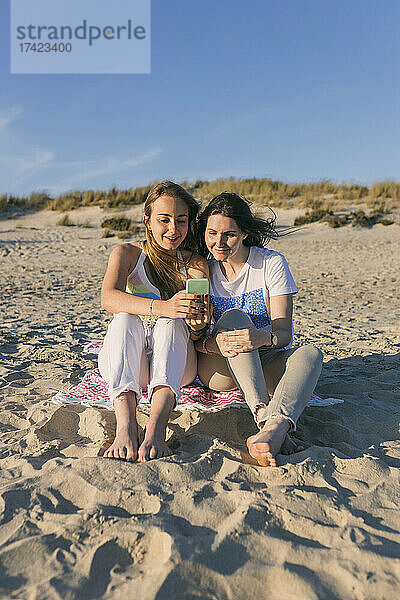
190	309
238	335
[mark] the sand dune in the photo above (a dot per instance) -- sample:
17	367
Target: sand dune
202	523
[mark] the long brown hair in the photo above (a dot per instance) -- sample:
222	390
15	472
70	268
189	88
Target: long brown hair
166	268
259	231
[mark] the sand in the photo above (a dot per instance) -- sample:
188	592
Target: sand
202	523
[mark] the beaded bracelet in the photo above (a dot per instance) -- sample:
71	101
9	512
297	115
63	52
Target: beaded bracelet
198	331
204	344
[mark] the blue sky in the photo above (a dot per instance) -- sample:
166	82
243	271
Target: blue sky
296	90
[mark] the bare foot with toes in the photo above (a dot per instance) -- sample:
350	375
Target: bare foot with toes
153	446
265	445
125	444
124	447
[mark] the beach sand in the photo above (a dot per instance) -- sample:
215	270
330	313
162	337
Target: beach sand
202	523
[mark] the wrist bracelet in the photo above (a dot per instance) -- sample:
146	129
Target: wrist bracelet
204	344
198	331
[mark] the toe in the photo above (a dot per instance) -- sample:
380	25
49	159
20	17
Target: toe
142	453
153	452
130	455
121	453
265	460
261	452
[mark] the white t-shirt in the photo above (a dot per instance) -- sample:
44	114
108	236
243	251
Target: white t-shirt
265	274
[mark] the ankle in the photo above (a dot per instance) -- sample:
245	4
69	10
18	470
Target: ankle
126	427
276	421
157	430
126	397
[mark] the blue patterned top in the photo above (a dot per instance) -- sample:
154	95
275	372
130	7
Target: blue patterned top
264	275
252	303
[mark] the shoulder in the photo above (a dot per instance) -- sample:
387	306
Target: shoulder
278	278
266	253
268	258
197	265
128	249
126	254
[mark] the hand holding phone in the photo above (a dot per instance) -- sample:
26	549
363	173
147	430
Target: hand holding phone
199	287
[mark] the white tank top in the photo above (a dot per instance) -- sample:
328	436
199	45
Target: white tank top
138	283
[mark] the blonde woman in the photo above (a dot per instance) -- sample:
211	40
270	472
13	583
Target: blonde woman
149	341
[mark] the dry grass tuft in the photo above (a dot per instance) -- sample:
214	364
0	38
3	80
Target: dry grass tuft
121	224
65	221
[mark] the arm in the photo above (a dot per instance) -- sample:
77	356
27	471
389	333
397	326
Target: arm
281	319
115	299
230	343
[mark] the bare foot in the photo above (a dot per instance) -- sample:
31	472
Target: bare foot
265	445
153	446
125	445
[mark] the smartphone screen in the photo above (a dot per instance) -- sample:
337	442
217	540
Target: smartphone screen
198	286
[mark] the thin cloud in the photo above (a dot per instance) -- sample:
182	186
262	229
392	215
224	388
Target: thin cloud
102	167
8	115
20	160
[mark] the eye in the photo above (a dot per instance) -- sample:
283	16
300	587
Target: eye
164	220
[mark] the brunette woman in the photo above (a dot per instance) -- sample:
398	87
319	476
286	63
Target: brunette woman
250	346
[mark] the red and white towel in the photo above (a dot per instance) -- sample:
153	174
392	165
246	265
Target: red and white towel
92	391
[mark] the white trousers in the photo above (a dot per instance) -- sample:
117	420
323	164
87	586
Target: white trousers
133	359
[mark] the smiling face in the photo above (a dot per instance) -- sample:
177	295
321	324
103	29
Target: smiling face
168	222
224	239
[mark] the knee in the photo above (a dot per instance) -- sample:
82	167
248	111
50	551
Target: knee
234	317
125	322
167	325
311	356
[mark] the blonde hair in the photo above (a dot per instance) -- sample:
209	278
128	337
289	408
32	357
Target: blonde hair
166	268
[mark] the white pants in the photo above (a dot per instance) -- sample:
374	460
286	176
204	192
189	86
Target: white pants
131	359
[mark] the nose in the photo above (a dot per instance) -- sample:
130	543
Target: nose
220	240
172	227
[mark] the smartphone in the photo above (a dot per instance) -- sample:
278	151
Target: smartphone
198	286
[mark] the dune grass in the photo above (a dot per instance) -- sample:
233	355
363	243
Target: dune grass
357	218
65	221
324	195
122	225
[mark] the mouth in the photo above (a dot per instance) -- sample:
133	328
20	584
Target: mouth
172	239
